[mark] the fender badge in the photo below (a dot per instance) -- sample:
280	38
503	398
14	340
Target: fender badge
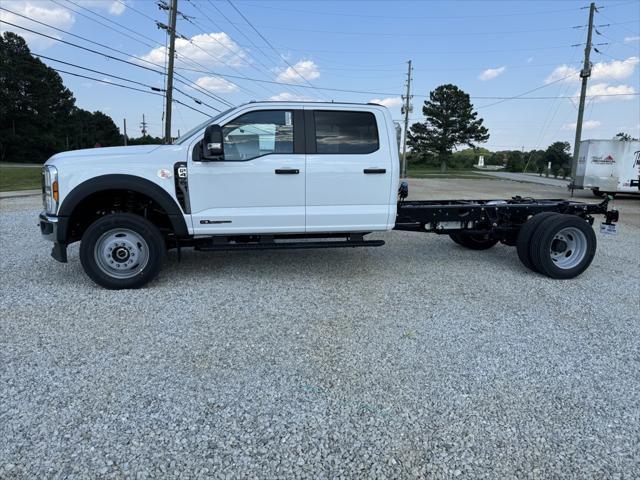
164	173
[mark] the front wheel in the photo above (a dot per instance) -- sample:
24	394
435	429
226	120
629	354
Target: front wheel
122	250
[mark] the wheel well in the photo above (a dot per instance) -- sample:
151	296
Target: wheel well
104	202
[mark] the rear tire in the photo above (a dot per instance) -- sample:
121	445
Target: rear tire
563	246
472	241
598	193
122	250
524	237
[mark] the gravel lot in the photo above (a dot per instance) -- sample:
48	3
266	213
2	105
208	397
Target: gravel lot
415	359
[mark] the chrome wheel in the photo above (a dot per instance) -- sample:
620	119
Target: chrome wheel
568	247
121	253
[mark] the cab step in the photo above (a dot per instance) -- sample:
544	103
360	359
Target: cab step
286	245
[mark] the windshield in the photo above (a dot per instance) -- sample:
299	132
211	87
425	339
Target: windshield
209	121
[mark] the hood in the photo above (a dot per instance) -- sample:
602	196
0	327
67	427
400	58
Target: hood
107	151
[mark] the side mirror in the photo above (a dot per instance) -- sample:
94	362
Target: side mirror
212	145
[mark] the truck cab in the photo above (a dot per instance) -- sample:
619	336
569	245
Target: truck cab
253	174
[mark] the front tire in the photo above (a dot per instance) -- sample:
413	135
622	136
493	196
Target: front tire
122	250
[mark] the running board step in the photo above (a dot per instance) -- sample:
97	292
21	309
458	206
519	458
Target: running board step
289	245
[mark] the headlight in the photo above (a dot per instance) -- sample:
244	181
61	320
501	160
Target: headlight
50	195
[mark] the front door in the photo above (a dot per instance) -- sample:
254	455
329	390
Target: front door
259	185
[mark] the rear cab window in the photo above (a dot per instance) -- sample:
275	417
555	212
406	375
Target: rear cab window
345	132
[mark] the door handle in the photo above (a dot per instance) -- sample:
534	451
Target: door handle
287	171
375	170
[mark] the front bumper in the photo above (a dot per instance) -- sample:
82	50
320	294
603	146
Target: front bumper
53	229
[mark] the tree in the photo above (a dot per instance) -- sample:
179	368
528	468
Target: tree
558	154
624	137
449	121
38	115
34	104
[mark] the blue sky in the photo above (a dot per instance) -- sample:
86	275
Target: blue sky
489	49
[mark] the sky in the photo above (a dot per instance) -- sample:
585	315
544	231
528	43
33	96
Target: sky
233	52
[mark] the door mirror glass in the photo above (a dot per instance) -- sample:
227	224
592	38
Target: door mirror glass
212	145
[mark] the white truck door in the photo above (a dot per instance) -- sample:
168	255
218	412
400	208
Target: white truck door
259	185
349	170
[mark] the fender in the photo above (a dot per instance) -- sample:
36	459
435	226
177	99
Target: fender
122	182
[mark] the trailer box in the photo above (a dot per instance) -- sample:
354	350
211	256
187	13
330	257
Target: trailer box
610	166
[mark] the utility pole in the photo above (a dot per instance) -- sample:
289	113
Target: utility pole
173	11
144	126
585	73
406	109
125	132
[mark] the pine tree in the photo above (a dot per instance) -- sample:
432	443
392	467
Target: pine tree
450	121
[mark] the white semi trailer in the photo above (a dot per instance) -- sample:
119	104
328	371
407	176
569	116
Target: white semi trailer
608	167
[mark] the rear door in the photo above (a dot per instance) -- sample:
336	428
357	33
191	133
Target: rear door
349	170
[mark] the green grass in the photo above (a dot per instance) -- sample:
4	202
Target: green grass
19	178
417	171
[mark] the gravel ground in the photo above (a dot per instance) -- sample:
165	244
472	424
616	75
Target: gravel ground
416	359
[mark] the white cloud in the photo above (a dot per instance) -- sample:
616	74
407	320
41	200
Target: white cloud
615	70
116	8
620	92
633	39
387	102
113	7
216	84
563	72
44	12
207	48
588	125
304	68
491	73
530	59
289	97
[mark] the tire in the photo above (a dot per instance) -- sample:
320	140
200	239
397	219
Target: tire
598	193
454	237
563	246
122	250
524	237
472	241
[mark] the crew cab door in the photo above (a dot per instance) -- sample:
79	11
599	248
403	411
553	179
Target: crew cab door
258	187
349	170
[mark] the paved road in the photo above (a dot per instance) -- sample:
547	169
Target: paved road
527	177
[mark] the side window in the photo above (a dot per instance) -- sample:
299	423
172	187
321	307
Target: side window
346	132
258	133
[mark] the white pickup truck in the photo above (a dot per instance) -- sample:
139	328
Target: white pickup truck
280	175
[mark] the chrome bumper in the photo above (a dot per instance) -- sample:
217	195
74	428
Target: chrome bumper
49	226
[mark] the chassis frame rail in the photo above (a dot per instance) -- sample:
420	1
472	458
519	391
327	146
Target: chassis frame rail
499	218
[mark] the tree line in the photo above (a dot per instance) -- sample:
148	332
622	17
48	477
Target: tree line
451	122
38	114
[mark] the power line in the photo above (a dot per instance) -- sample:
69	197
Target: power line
82	47
157	89
527	92
103	24
415	34
181	79
184	58
430	17
130	7
269	43
239	30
